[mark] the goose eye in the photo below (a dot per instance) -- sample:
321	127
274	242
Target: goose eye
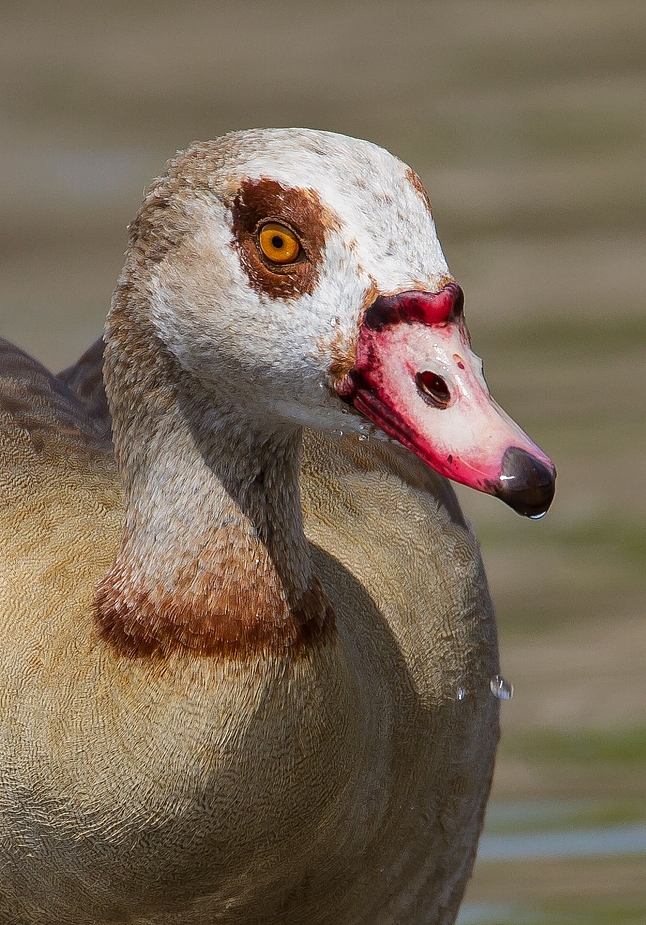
278	243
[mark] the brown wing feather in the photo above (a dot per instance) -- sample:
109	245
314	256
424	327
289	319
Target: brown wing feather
36	403
85	379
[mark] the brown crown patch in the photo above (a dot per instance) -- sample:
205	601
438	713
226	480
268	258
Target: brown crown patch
265	200
418	186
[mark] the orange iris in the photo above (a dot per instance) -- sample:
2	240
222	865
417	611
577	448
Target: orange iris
278	243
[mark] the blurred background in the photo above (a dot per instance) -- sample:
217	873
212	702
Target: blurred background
527	123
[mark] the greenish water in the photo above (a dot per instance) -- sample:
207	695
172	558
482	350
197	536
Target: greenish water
524	841
581	913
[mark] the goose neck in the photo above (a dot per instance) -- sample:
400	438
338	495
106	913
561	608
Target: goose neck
213	558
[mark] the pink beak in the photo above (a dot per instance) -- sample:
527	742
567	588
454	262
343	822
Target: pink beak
416	378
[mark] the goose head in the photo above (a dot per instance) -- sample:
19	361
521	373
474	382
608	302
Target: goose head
296	275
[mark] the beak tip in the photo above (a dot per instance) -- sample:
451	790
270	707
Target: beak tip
526	483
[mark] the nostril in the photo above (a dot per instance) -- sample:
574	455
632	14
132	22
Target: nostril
433	389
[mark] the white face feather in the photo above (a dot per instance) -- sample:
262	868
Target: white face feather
270	356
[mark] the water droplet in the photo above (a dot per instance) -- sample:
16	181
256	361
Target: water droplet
363	437
461	694
537	516
500	688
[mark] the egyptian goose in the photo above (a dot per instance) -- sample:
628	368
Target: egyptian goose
224	699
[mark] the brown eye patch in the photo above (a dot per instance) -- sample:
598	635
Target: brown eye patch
262	201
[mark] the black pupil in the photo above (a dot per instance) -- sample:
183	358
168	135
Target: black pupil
277	242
